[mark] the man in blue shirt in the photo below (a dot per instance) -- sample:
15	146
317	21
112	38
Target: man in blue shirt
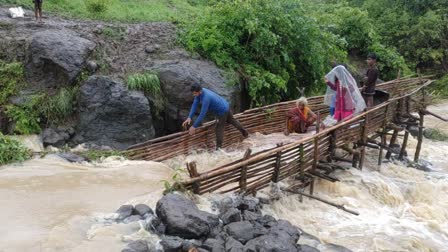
210	101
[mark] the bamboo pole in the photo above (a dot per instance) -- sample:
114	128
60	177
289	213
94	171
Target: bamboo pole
393	139
405	142
420	137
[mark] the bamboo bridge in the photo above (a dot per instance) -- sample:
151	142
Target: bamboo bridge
304	159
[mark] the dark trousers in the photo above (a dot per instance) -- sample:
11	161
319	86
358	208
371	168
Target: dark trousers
222	120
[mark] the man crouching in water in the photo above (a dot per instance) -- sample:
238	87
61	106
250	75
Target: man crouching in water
217	105
298	119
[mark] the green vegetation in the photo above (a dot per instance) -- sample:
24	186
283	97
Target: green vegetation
12	151
149	83
11	80
114	33
119	11
93	155
177	179
439	88
273	45
435	134
58	107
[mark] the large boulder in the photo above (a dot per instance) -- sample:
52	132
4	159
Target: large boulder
241	231
183	218
177	77
112	115
56	57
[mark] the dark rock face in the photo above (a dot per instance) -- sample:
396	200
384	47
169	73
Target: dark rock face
177	77
112	115
142	209
269	243
286	229
171	244
231	215
55	137
183	218
56	58
125	211
214	245
233	245
240	231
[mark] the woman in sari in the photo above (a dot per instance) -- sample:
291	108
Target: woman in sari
298	119
342	87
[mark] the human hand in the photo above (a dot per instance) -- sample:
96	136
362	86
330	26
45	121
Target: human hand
186	122
192	130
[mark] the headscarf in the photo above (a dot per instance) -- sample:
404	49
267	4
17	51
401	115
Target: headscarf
346	80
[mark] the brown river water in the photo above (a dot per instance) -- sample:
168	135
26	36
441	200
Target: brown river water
48	204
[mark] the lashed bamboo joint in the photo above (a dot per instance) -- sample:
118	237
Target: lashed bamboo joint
257	170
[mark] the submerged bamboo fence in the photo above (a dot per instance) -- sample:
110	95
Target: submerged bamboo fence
256	171
266	120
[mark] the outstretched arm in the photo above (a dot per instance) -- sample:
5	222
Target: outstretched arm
204	109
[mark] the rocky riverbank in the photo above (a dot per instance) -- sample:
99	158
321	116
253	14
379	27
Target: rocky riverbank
238	225
95	59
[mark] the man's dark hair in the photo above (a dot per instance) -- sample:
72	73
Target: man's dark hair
196	87
372	56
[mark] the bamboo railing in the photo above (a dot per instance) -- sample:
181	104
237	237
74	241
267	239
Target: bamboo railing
266	120
256	171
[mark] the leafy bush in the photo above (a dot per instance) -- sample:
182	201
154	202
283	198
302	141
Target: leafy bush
11	79
26	119
97	7
440	87
273	45
12	150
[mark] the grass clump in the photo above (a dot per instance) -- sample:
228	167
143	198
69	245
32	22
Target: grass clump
97	7
439	88
58	107
12	150
114	33
149	83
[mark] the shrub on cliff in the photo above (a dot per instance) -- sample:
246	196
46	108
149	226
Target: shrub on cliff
12	150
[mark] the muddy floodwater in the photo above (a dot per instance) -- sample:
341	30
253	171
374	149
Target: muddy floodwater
49	204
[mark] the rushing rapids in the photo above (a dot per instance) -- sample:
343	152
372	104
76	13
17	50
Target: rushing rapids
53	205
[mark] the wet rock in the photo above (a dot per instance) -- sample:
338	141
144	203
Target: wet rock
138	246
112	115
283	229
125	211
251	216
214	245
153	223
233	245
250	204
231	215
132	218
177	77
171	244
413	130
142	209
187	245
92	66
267	221
241	231
71	157
258	229
55	138
56	57
306	248
269	243
183	218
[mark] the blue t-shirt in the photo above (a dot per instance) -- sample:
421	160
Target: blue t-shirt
210	101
